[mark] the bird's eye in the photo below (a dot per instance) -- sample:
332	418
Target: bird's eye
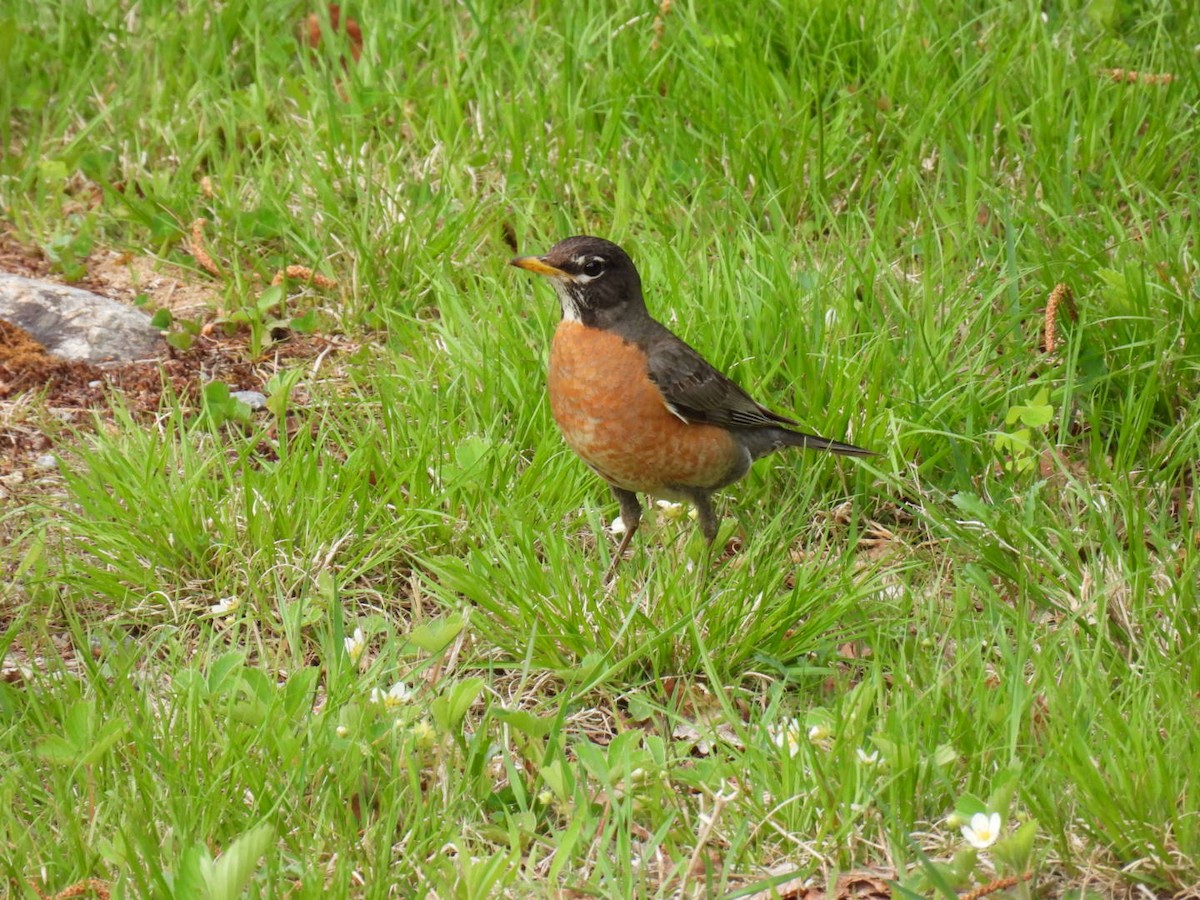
592	268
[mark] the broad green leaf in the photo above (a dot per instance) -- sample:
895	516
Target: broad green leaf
111	732
55	748
437	634
227	875
1015	851
525	721
451	708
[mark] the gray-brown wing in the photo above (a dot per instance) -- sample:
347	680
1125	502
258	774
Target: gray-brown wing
696	392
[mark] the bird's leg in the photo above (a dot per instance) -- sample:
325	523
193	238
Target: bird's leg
708	523
708	518
631	515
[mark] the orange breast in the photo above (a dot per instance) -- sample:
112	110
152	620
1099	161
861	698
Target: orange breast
613	416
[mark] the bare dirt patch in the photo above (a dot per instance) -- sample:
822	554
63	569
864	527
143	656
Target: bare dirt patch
74	392
121	276
20	259
41	394
124	276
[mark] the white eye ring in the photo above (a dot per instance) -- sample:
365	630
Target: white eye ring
593	267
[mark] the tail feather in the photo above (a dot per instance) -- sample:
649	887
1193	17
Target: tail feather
812	442
761	441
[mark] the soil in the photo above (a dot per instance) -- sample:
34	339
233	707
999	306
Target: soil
37	389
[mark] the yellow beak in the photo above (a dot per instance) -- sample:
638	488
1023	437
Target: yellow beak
538	266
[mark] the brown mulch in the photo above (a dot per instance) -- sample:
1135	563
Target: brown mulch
18	259
25	365
76	391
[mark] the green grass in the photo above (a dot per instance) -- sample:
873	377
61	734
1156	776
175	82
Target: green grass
860	213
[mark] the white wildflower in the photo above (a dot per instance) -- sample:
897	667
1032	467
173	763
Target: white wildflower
982	831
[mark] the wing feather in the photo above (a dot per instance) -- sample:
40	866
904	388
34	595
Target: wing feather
696	392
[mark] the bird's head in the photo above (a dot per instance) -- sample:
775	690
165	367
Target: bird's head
596	281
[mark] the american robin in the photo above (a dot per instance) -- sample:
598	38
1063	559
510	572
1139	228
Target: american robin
644	410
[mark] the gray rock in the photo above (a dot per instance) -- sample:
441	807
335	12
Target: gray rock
46	462
75	324
252	399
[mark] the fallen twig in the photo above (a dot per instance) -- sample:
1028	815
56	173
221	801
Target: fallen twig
296	272
1000	884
